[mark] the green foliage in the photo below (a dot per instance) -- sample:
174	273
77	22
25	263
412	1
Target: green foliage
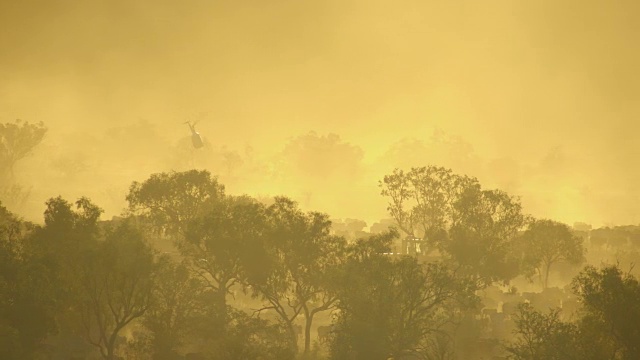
171	200
422	200
102	281
27	308
610	299
485	224
191	207
224	246
303	259
608	327
10	229
547	242
177	302
350	229
392	307
99	279
60	217
544	337
116	282
474	228
61	244
225	242
253	339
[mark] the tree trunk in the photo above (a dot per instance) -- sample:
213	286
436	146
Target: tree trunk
221	304
111	343
546	275
293	336
307	331
110	348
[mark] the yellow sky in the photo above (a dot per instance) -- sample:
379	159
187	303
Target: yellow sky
539	97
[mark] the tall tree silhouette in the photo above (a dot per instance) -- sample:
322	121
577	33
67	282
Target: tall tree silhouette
548	242
17	140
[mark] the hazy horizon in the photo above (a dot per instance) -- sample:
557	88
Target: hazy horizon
538	99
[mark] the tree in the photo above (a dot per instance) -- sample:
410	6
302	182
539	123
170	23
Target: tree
482	238
10	230
610	299
63	241
27	307
53	255
179	301
608	328
116	281
394	307
17	140
452	213
103	281
545	336
253	338
421	200
547	242
350	229
541	336
224	245
304	258
43	270
171	200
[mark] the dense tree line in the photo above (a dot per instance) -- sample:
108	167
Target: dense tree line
189	271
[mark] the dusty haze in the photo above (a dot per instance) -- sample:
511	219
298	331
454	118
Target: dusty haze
319	99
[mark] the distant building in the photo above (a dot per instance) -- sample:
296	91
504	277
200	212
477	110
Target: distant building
414	246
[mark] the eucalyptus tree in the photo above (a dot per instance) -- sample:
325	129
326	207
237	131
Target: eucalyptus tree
103	276
421	200
303	262
394	307
610	299
28	303
170	201
483	239
17	140
115	286
473	227
224	245
546	243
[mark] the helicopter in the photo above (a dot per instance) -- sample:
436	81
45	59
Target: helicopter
196	140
